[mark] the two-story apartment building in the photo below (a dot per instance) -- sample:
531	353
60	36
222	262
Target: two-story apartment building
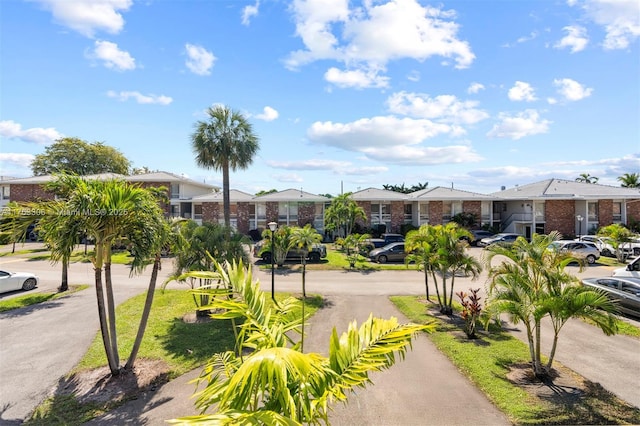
572	208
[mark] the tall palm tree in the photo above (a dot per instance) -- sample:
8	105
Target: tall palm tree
630	180
110	210
224	142
531	284
304	238
420	244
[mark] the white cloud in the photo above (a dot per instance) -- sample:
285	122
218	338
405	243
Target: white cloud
475	88
392	140
516	127
374	34
522	91
88	17
333	166
414	76
18	159
359	79
290	177
443	108
11	130
268	114
140	98
576	39
200	60
571	90
112	56
619	18
250	11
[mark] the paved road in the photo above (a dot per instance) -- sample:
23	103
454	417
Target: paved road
32	358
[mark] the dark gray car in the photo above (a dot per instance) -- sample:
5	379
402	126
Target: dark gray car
393	252
625	291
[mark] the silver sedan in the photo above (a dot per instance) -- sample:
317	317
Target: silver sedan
625	291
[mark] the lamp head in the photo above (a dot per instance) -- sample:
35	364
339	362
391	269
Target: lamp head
272	226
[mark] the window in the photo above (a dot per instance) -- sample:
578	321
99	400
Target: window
617	211
197	211
6	194
175	190
175	210
592	212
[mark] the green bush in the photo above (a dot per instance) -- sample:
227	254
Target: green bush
5	238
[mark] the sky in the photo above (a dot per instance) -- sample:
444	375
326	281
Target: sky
343	95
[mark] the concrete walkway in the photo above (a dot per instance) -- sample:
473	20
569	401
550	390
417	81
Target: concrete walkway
425	388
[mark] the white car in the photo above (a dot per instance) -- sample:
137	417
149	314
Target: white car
632	270
10	281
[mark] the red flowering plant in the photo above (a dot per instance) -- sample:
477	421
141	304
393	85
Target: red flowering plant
471	309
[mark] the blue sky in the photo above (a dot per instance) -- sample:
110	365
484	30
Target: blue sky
343	95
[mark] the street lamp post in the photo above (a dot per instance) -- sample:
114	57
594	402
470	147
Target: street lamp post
272	227
579	217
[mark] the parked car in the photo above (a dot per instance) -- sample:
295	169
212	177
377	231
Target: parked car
385	239
262	250
393	252
625	291
503	238
10	281
605	245
632	270
582	250
478	234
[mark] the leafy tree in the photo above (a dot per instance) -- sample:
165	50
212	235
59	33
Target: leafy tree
75	156
141	170
354	244
404	190
587	178
531	284
224	142
342	214
619	238
630	180
272	382
264	192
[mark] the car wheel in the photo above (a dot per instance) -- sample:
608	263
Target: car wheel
607	252
382	259
636	251
266	257
591	259
29	284
314	257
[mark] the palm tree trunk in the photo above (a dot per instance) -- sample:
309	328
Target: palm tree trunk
111	312
104	327
553	352
304	272
435	282
443	306
226	201
145	312
426	282
64	285
538	358
450	303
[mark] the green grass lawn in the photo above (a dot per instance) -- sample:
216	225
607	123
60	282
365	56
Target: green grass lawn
486	362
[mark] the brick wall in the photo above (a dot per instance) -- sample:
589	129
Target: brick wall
243	216
633	210
167	186
306	213
397	216
560	216
605	213
473	207
29	192
435	212
271	211
211	212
